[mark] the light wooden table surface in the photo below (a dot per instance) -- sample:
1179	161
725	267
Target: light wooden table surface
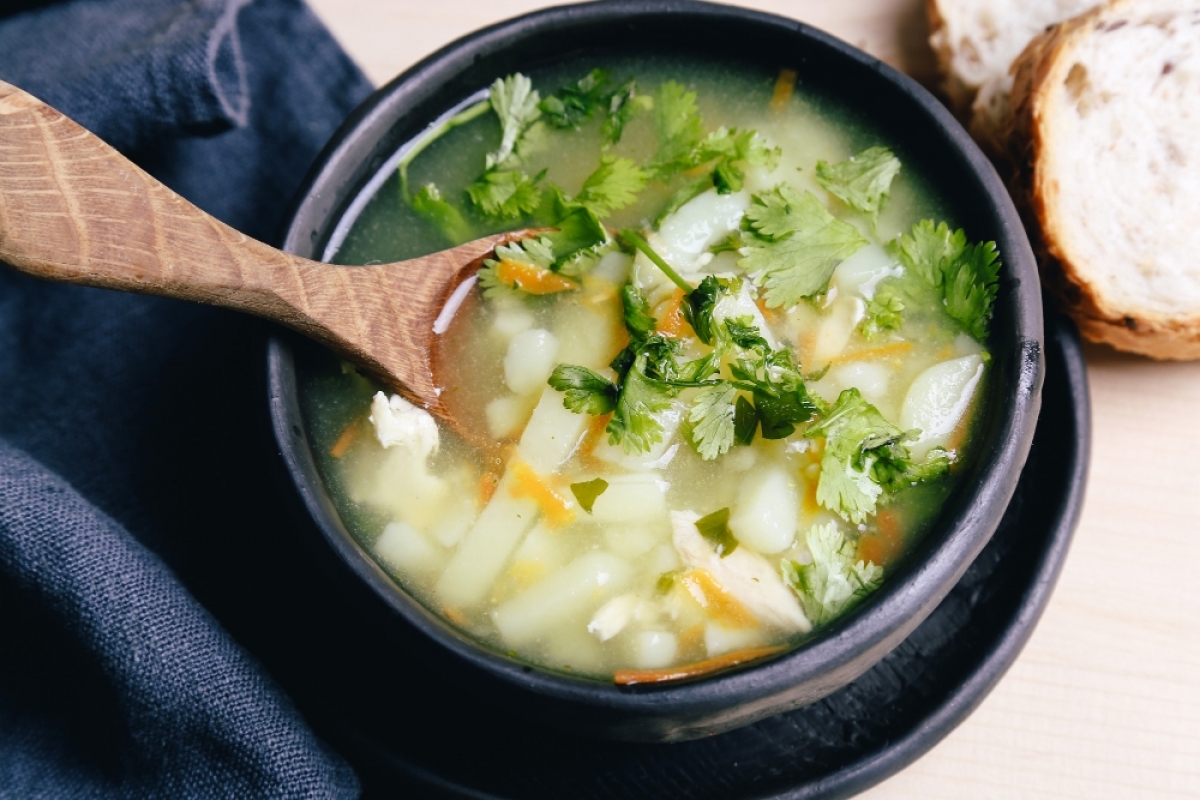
1105	699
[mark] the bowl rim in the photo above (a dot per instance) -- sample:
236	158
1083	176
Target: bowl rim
857	640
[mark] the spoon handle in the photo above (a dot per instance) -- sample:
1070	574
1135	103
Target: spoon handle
73	209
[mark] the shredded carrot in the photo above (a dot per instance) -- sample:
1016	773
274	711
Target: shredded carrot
670	315
487	486
455	616
527	483
873	353
717	603
785	85
692	638
348	437
883	546
808	503
531	279
769	314
629	677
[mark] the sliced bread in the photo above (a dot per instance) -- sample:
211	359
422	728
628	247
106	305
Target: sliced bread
976	42
1105	138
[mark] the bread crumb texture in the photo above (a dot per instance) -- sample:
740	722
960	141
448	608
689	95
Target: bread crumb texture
1105	109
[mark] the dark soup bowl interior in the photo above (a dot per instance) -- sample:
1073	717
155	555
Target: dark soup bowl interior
930	142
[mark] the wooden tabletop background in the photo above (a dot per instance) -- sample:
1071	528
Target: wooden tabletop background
1105	699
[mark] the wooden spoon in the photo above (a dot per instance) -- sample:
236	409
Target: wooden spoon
73	209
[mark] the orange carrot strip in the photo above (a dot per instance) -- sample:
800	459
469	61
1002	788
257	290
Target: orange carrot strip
670	315
342	445
717	603
531	279
873	353
527	483
455	616
630	677
785	85
487	486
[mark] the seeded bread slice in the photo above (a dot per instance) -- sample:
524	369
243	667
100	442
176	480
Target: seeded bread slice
1105	138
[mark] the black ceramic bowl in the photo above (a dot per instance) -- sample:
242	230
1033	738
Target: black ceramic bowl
932	143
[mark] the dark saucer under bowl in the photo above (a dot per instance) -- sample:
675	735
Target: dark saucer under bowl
932	143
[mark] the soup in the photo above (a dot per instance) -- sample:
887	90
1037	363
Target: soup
720	396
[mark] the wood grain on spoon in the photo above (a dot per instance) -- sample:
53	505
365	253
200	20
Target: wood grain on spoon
73	209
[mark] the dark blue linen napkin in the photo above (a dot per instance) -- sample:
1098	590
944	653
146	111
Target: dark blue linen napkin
140	552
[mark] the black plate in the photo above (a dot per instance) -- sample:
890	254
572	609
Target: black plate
838	746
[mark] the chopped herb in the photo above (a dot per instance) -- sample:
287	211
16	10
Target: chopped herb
429	205
699	305
526	266
575	103
834	582
638	321
883	314
715	528
712	419
623	105
614	185
506	194
586	391
634	425
679	128
586	492
745	421
780	399
966	275
856	436
861	181
515	102
729	148
796	244
665	582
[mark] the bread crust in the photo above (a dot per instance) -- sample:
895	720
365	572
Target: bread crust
956	90
1038	73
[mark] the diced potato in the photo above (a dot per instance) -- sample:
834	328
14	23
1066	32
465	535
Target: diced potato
505	415
718	639
835	330
652	649
632	498
552	434
861	273
871	378
660	453
531	357
632	541
613	616
699	224
484	551
938	399
509	321
406	550
743	305
457	518
614	266
589	340
583	584
400	485
767	510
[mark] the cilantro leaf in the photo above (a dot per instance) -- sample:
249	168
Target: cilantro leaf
515	102
971	284
429	205
586	492
623	105
745	421
861	181
504	193
578	229
780	397
576	102
586	391
679	127
797	244
856	436
834	582
712	419
966	276
638	321
729	148
614	185
745	334
715	528
883	314
699	305
633	424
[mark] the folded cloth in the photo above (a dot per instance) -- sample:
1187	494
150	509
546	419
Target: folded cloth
127	476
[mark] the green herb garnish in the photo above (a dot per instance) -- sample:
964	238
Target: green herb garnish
861	181
834	582
715	528
586	492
